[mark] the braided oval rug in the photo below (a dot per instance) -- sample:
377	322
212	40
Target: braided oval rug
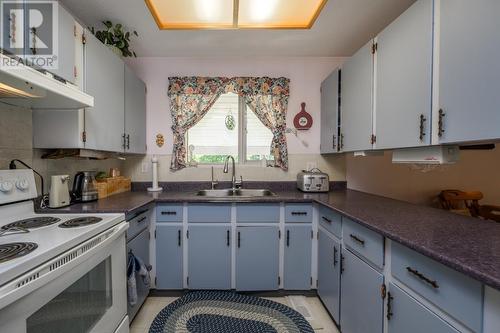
225	311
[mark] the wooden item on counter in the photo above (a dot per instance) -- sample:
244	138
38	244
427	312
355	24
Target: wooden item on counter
466	203
113	185
490	212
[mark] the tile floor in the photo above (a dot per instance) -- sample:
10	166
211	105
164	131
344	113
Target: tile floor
322	323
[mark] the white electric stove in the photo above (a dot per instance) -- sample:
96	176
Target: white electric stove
58	272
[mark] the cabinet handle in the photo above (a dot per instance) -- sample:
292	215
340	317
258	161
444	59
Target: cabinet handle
342	263
441	123
334	142
422	277
239	239
299	213
142	219
335	252
167	212
128	141
390	298
326	219
228	239
288	238
422	127
341	141
124	141
357	239
179	237
33	49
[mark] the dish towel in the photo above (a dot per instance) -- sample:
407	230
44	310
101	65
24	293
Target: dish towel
135	264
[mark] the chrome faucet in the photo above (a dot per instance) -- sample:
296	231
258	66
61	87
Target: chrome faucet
235	184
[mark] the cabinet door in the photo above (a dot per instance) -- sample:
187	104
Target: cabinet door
330	113
66	50
105	81
357	100
469	69
329	273
13	16
209	258
361	302
135	113
298	252
404	79
257	258
169	272
406	315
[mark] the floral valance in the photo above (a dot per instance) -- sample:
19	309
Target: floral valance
192	97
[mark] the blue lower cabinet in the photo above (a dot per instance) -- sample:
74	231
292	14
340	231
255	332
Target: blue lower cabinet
209	257
257	258
329	252
361	299
406	315
169	273
298	251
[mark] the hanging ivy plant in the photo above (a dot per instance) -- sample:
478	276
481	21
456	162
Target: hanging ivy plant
116	36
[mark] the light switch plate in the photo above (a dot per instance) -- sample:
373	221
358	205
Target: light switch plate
145	167
311	165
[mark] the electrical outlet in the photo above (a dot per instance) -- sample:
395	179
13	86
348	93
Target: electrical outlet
145	167
311	165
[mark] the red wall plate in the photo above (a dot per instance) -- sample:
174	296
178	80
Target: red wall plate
303	120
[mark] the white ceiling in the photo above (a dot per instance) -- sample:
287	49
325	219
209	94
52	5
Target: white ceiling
342	28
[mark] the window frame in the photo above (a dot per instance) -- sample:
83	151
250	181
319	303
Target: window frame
243	109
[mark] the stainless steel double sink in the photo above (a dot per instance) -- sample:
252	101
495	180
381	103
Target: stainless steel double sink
240	193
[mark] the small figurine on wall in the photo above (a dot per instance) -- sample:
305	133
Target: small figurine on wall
303	120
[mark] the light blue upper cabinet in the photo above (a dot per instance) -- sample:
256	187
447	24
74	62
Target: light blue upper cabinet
209	257
66	49
361	302
298	252
330	113
403	82
329	252
357	101
257	258
406	315
104	79
169	262
135	114
469	70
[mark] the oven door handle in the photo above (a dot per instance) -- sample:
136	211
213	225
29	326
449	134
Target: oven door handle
52	269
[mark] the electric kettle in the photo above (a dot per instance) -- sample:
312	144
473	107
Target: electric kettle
59	191
84	189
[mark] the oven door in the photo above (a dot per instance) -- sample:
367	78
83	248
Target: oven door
89	297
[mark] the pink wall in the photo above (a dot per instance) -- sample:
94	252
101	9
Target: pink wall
306	75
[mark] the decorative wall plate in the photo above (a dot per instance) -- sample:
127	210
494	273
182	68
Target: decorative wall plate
303	120
160	141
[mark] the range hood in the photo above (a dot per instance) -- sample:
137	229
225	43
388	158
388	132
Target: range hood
432	155
27	87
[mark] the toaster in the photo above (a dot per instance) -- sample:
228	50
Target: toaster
313	181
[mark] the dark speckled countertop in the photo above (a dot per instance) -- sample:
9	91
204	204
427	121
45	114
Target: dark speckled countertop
469	245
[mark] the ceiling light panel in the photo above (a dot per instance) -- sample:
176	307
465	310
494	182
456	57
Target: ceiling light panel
192	14
285	14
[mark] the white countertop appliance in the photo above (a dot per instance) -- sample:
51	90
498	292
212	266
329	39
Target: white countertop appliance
59	191
59	273
313	181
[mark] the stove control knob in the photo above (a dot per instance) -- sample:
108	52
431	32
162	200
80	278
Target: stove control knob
22	185
6	187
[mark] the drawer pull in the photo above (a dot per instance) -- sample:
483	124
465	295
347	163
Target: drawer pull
228	238
288	238
422	277
357	239
299	213
179	238
326	219
239	239
335	260
167	212
142	219
390	298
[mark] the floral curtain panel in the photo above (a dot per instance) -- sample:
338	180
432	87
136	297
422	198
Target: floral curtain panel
192	97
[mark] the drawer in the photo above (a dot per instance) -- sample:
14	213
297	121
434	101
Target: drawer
209	213
363	241
169	213
330	220
298	213
456	294
255	213
137	224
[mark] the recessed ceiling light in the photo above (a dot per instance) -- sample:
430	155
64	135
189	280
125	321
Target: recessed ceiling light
235	14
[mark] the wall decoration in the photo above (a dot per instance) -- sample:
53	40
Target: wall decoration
303	120
230	121
160	140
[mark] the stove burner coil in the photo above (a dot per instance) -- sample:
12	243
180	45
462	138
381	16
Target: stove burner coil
32	223
80	222
12	251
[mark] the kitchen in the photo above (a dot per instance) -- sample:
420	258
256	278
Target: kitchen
160	192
